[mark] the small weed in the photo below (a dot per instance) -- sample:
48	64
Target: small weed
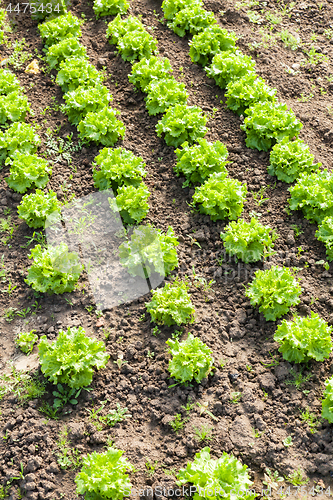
297	230
177	423
297	478
288	442
235	397
271	479
155	331
151	467
19	56
115	416
204	433
259	196
289	40
66	457
298	379
310	419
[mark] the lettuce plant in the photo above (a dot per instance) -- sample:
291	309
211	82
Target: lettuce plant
35	208
325	234
148	70
102	476
220	197
54	269
148	251
182	123
60	28
249	241
75	72
209	42
13	107
27	171
26	340
71	358
191	359
275	290
164	93
313	194
327	402
118	28
288	159
199	161
136	45
229	65
246	91
2	24
102	127
131	203
48	10
82	100
110	7
171	304
226	477
172	7
131	38
117	167
304	338
192	19
69	47
267	123
8	82
18	138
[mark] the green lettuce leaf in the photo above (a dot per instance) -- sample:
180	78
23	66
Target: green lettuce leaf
69	47
118	167
110	7
27	171
102	127
171	7
224	478
36	207
182	123
71	358
213	39
149	70
65	26
220	197
275	290
13	107
313	194
247	91
18	138
75	72
193	19
327	403
164	93
8	82
103	476
54	270
131	38
229	65
131	203
83	100
249	241
171	304
267	123
304	338
191	359
325	234
199	161
148	251
288	159
50	10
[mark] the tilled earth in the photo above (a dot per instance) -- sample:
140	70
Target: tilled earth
247	359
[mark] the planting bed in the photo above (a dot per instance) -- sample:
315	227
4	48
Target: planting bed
254	399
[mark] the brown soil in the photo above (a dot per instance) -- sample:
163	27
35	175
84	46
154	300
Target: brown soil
225	320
